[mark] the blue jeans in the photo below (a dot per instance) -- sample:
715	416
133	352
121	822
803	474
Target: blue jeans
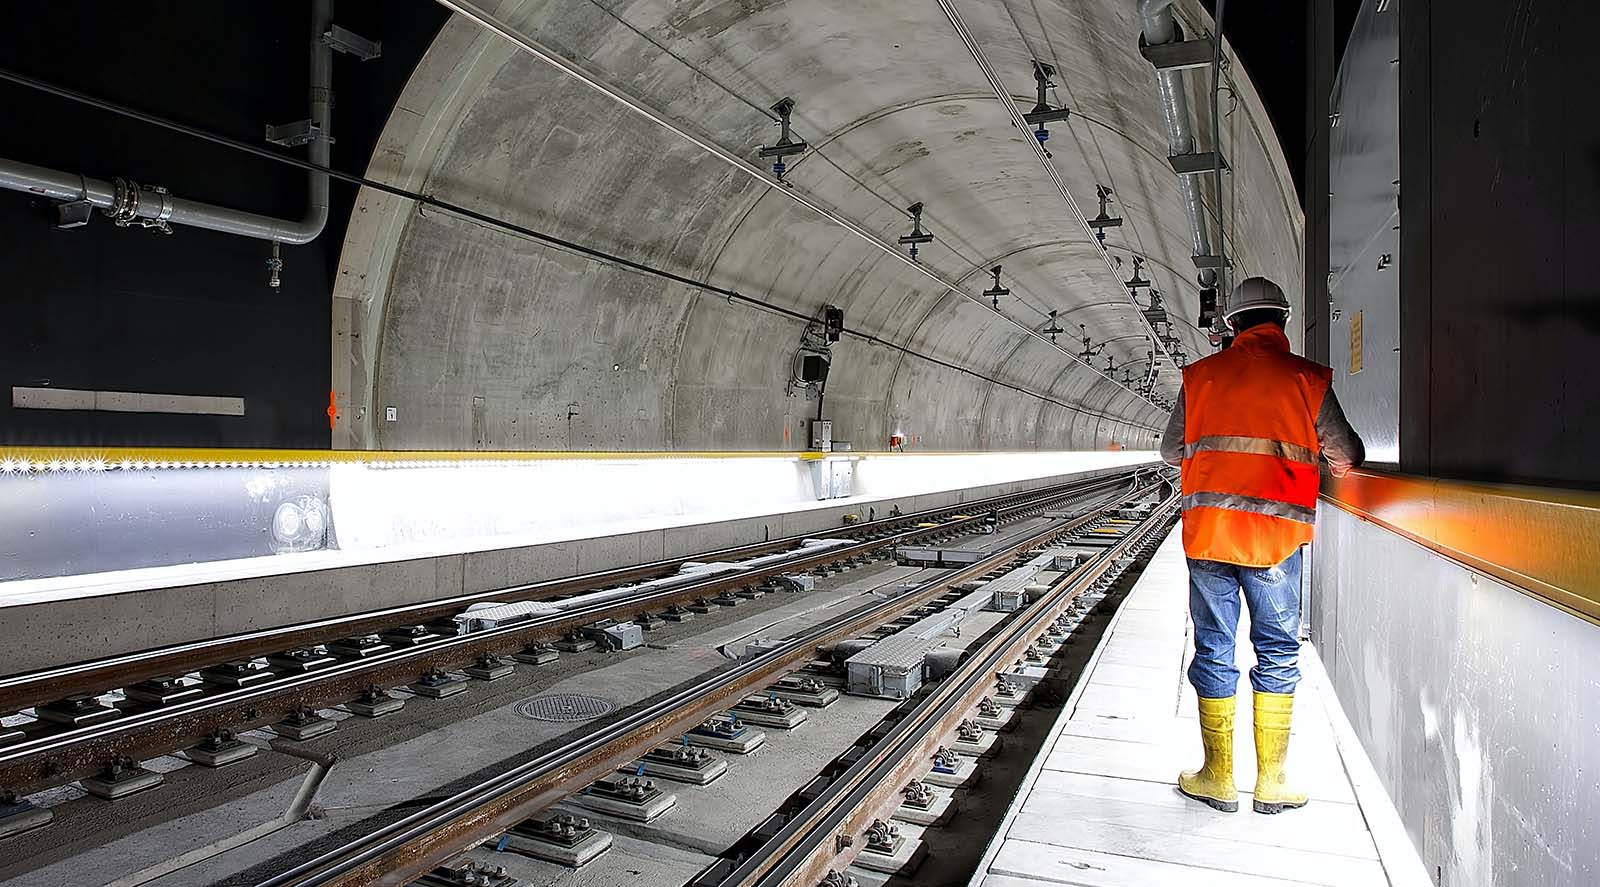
1273	596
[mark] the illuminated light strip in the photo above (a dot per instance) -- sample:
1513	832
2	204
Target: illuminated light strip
24	460
20	460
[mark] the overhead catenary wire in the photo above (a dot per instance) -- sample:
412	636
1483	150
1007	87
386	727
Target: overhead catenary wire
1000	91
979	264
489	22
551	240
1078	114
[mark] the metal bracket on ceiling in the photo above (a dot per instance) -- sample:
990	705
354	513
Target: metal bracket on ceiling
1042	113
74	213
1156	313
293	135
917	235
1052	329
1197	163
1103	221
1179	55
1204	262
1137	280
347	41
995	292
787	145
1089	349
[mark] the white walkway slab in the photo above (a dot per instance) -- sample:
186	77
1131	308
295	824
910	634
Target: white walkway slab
1101	807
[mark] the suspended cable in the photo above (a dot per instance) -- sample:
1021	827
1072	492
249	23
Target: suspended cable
896	205
512	227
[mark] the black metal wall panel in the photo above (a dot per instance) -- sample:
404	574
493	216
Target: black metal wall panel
1500	217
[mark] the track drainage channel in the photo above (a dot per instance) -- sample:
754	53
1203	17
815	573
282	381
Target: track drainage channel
565	708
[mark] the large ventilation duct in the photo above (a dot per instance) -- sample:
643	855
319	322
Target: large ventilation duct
131	204
1159	27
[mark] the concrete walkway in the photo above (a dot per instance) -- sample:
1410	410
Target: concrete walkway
1101	806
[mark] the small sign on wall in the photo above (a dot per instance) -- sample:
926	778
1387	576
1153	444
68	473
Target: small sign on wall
1355	343
391	414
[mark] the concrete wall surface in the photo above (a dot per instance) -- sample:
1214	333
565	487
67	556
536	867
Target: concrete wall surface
484	339
67	629
1478	705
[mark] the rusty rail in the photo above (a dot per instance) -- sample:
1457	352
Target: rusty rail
408	848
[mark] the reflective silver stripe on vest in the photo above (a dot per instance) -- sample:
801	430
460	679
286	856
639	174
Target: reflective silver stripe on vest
1257	446
1253	504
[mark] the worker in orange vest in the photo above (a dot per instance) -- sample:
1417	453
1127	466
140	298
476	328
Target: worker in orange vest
1249	428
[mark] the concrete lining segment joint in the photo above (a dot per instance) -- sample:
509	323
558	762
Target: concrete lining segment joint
574	69
1015	113
982	264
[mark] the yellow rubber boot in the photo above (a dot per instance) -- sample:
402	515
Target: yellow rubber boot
1272	715
1213	783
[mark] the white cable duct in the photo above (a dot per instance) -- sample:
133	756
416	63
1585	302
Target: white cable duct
1044	159
489	614
130	203
478	15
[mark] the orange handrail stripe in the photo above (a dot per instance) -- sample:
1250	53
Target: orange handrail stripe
1542	541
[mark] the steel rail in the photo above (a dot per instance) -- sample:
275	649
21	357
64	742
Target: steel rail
806	848
407	848
61	756
26	689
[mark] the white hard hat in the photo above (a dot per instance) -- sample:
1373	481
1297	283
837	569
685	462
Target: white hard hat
1256	292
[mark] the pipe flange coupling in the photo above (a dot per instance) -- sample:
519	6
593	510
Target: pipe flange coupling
124	208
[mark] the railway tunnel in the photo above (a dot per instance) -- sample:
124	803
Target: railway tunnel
717	442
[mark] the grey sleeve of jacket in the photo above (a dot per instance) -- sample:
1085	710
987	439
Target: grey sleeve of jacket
1172	439
1341	446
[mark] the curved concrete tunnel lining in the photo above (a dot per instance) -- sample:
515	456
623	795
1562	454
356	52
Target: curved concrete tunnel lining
1019	283
863	268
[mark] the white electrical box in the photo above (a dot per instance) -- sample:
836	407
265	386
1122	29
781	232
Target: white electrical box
822	435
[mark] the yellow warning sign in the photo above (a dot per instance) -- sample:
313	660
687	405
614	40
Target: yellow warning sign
1355	343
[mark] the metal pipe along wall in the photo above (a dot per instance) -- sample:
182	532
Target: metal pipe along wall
159	206
1155	17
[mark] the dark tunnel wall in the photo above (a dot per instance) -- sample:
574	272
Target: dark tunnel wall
105	308
1500	209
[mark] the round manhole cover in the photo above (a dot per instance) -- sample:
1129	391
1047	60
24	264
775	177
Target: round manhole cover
565	707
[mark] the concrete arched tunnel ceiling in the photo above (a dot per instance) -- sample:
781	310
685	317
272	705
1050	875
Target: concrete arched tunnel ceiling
480	338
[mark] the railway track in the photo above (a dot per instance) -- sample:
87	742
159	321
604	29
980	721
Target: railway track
809	850
53	753
810	844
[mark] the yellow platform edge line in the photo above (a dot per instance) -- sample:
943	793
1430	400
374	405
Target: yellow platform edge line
229	455
115	456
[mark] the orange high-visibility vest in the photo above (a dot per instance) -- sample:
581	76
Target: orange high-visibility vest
1250	450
